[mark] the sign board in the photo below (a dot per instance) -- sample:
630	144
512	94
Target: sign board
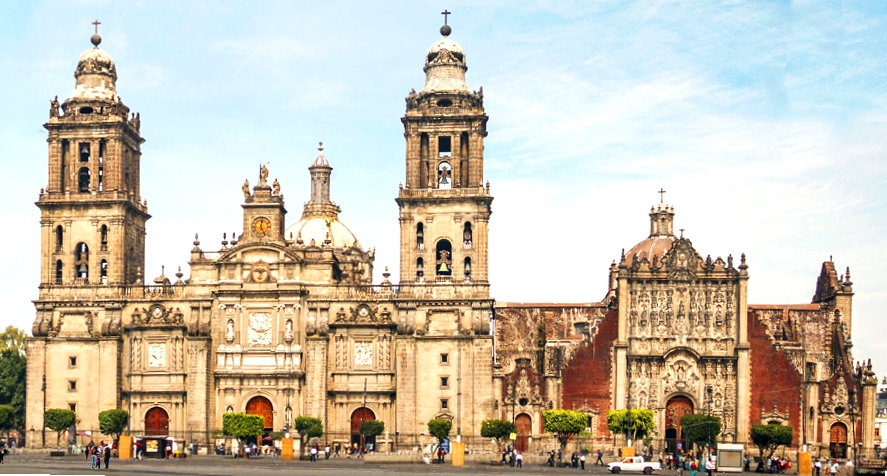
124	447
286	449
730	457
513	436
458	456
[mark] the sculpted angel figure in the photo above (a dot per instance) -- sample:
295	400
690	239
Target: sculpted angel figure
246	188
263	174
276	187
54	107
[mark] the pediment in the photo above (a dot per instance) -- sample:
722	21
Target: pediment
254	252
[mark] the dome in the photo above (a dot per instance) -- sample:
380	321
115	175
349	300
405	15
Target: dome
445	44
96	76
320	160
653	246
320	229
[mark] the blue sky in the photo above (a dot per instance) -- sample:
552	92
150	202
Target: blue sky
766	122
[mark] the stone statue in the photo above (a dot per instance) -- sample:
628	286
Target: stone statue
276	186
54	107
229	334
263	175
246	188
137	121
288	336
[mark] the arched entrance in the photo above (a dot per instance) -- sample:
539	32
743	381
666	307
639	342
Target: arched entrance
261	406
837	440
523	426
156	422
359	416
676	408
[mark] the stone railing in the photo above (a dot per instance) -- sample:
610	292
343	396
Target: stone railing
438	192
90	292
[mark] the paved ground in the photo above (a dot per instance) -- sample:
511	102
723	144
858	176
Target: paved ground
218	465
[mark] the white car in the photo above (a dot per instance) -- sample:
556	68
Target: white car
634	463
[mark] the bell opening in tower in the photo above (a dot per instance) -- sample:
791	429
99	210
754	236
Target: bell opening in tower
444	146
83	177
420	270
444	265
59	235
58	271
81	261
466	236
444	181
84	152
420	236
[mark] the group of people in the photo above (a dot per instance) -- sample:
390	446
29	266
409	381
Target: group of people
512	457
96	453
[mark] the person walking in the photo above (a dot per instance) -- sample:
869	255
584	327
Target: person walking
600	455
709	466
693	468
848	466
519	459
574	459
582	461
106	454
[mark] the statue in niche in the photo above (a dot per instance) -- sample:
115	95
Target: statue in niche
54	107
276	187
229	334
288	335
245	188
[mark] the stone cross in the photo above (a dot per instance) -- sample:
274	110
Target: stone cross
96	23
445	13
661	193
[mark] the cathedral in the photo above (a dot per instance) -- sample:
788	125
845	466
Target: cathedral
284	320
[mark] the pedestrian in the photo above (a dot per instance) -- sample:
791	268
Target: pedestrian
709	466
600	455
338	447
519	459
833	468
313	456
817	468
848	466
693	468
550	458
326	452
574	459
2	453
107	455
440	455
680	468
582	461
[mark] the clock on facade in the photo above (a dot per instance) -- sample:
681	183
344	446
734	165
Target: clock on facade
262	226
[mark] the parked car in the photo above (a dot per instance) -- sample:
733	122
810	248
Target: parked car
634	463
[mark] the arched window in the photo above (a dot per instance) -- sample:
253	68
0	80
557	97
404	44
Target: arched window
104	236
467	235
83	177
420	236
104	271
84	152
81	261
444	179
420	269
58	272
59	237
444	253
467	269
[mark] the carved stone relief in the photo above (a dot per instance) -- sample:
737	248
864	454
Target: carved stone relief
156	355
259	329
363	354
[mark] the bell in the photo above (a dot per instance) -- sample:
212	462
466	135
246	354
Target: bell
467	267
443	268
82	268
420	267
84	149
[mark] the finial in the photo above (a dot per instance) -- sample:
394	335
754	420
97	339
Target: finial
445	30
682	233
320	147
661	193
196	240
96	39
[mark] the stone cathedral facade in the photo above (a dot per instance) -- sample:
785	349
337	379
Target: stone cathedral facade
284	320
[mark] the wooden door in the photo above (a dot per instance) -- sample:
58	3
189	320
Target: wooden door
156	422
677	407
359	416
523	426
261	406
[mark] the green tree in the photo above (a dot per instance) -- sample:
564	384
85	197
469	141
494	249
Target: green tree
499	430
564	424
700	429
242	426
58	420
372	428
770	437
7	418
308	427
13	338
113	422
440	429
13	370
635	423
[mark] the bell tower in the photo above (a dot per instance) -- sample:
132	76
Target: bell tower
444	205
92	215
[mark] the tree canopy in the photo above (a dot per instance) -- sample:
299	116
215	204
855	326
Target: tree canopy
635	424
700	429
440	429
59	420
13	371
13	338
770	437
564	424
499	430
113	422
7	418
371	428
308	427
241	426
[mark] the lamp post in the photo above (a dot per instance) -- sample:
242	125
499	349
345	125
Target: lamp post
708	391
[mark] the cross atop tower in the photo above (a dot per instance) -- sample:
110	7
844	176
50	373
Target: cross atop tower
446	13
96	23
661	193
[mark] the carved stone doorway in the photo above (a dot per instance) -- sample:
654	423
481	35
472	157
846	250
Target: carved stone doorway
261	406
156	422
359	416
837	441
523	426
676	408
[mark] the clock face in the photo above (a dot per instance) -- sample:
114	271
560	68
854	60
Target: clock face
262	226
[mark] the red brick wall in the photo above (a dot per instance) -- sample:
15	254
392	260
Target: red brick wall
587	377
774	380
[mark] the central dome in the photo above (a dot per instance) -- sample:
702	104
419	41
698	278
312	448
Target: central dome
320	229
